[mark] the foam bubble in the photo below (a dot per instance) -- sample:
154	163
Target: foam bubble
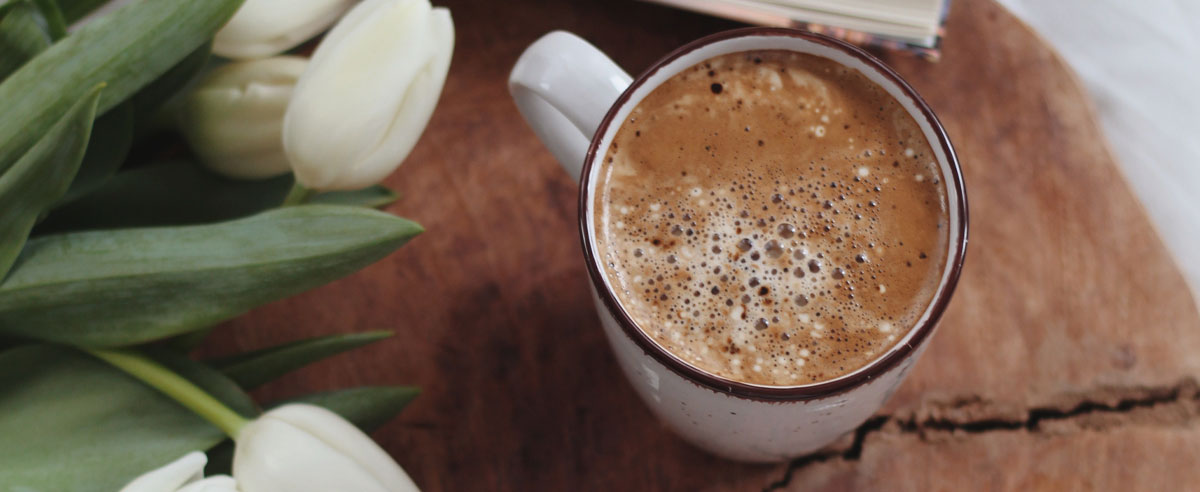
751	250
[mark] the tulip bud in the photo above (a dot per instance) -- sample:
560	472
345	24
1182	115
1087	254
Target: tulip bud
182	475
368	93
233	120
262	28
305	448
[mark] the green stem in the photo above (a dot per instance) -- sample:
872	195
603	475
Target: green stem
298	195
174	386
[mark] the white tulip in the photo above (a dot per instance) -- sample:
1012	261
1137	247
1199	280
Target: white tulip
305	448
233	120
368	93
262	28
215	483
182	475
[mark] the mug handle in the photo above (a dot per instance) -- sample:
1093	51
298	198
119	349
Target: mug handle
564	86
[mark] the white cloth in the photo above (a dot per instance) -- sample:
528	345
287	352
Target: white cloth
1140	61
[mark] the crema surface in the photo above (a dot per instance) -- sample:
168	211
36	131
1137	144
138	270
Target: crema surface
771	217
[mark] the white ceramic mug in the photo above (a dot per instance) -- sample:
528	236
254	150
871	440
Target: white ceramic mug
575	97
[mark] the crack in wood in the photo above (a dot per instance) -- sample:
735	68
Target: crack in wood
1186	391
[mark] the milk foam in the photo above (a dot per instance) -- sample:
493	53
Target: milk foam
772	218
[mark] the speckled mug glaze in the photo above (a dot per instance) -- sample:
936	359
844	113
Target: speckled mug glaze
571	94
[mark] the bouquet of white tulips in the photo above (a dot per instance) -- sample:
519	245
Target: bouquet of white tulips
116	262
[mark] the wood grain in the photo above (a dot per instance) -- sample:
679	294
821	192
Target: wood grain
1067	360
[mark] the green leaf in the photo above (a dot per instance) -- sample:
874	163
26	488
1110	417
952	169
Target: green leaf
152	97
8	343
115	132
367	407
112	136
371	197
121	287
42	175
71	422
214	382
21	37
128	49
186	342
176	193
252	369
73	10
55	24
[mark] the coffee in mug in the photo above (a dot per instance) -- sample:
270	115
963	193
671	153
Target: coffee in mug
772	221
772	217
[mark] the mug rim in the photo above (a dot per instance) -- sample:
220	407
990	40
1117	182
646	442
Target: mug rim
873	369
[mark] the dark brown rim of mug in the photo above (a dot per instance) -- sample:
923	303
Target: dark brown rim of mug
873	369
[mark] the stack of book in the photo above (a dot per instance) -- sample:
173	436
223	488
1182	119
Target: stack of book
913	25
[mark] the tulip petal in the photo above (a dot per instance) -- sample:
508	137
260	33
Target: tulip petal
303	448
354	86
417	107
354	115
347	439
169	478
262	28
215	483
234	119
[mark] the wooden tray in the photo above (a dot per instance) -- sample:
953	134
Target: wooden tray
1067	360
